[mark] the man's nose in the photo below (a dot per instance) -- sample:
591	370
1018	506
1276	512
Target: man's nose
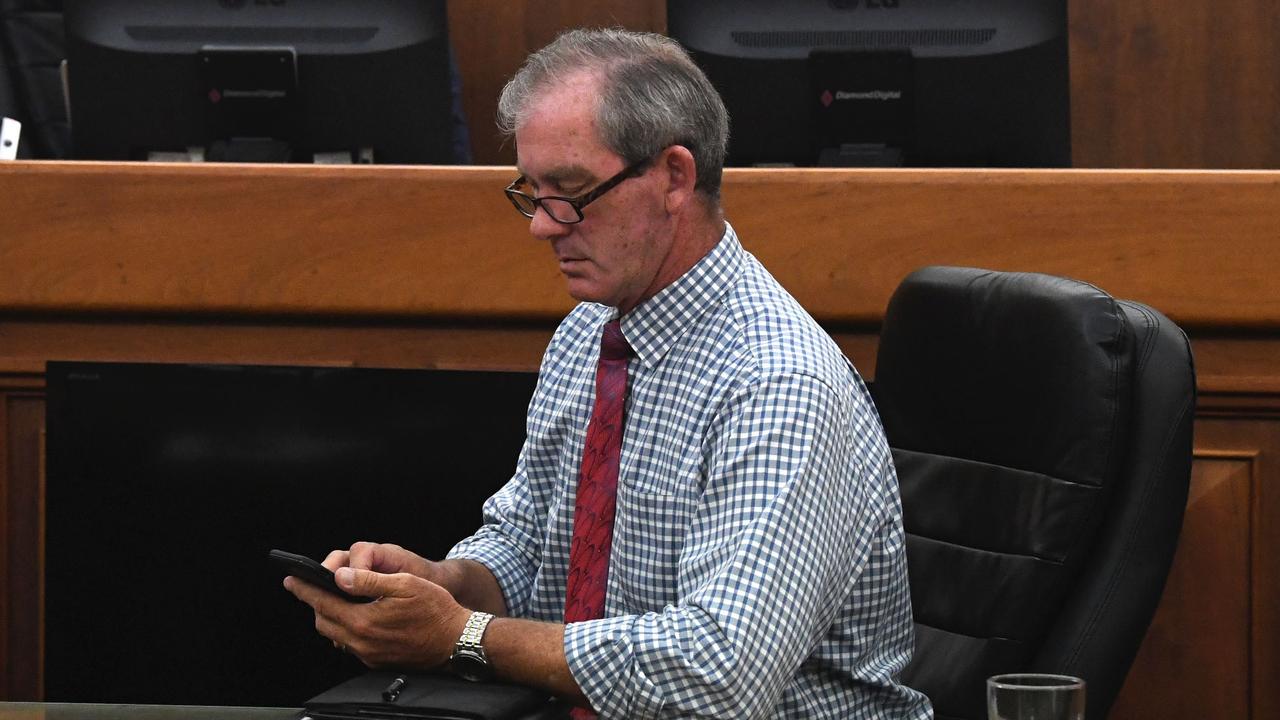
543	227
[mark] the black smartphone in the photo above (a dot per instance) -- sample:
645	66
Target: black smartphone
303	567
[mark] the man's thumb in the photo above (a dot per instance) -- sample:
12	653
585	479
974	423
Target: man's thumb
364	583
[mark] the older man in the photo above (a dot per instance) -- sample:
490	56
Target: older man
704	519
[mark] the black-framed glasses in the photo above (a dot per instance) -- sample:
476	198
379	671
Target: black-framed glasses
568	210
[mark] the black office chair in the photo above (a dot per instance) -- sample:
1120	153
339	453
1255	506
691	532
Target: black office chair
1042	435
31	52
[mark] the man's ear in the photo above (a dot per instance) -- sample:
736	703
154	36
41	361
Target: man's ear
681	173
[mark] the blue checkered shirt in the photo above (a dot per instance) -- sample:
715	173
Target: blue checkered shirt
758	565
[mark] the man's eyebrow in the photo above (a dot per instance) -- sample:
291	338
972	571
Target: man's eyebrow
560	176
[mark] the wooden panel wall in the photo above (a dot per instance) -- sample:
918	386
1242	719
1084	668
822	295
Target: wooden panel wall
21	511
1159	84
302	240
492	38
1154	84
428	267
1216	624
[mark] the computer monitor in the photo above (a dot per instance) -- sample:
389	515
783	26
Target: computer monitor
168	484
918	83
260	80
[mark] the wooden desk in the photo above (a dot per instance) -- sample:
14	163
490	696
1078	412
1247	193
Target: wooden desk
102	711
430	267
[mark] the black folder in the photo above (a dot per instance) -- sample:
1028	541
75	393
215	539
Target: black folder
430	696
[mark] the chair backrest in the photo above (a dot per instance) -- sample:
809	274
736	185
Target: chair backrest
1042	435
31	52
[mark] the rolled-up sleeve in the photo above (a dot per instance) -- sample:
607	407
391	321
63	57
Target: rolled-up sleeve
511	540
509	543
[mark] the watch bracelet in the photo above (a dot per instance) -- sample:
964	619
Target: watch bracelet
473	631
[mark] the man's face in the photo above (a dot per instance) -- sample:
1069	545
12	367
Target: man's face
617	254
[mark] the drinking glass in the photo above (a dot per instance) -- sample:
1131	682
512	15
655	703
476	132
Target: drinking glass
1035	696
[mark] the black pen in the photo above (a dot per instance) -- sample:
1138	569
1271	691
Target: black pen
393	690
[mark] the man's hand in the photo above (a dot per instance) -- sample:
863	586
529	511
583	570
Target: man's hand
470	583
381	557
413	624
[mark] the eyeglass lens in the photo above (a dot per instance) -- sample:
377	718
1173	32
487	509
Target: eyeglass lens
560	210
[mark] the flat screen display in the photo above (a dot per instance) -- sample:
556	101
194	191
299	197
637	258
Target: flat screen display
167	485
886	83
239	81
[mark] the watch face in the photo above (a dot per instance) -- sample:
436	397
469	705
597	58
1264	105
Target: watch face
470	665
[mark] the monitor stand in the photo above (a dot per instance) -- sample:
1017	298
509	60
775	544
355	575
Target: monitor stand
863	111
249	150
251	101
860	155
258	150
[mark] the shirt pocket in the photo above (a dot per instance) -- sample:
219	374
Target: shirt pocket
649	533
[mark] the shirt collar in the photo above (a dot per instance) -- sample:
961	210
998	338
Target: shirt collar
655	325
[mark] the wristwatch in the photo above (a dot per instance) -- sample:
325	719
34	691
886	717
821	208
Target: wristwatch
469	661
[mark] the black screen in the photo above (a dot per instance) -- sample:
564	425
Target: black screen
882	83
250	80
168	484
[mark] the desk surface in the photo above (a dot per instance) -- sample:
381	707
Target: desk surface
95	711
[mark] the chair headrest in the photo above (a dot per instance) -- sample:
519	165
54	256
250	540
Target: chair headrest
1050	398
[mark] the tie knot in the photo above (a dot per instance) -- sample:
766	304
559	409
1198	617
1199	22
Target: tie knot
612	345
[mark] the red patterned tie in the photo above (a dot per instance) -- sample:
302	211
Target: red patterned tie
598	483
598	489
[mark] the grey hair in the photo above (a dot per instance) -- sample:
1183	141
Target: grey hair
652	95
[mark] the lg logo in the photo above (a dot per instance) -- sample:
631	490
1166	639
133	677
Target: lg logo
868	4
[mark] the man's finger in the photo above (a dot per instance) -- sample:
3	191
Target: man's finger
363	556
337	559
305	591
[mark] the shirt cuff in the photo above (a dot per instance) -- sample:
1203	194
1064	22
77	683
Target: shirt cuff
602	661
508	566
